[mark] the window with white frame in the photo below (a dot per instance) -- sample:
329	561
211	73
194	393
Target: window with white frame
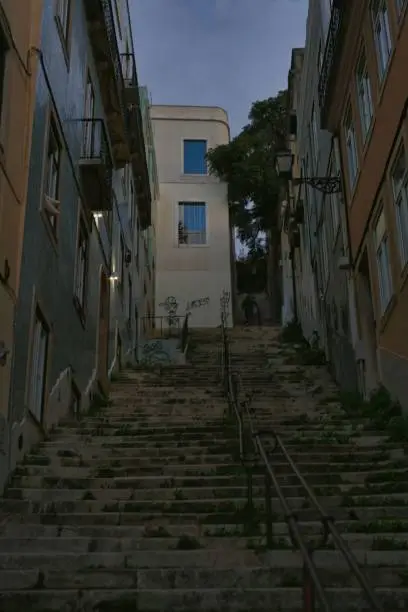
399	177
192	223
382	34
39	354
81	265
351	146
381	244
51	204
63	15
365	101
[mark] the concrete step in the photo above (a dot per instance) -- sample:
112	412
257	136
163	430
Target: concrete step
324	479
185	600
383	531
125	468
205	511
128	577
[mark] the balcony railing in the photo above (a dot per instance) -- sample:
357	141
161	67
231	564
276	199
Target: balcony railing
96	165
333	40
102	34
129	75
120	93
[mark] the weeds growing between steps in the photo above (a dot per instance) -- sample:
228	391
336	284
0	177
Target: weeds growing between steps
381	411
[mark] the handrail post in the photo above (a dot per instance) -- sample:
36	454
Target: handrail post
309	599
268	511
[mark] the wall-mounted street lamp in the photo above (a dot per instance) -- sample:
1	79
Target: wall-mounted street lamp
284	166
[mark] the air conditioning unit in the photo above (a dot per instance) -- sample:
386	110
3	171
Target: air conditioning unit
52	206
344	263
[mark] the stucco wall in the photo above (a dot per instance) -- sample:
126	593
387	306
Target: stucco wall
326	292
190	272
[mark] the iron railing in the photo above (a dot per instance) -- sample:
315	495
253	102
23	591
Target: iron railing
129	70
330	54
184	333
166	326
312	587
94	144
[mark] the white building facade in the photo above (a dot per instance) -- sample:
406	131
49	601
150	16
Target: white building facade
193	229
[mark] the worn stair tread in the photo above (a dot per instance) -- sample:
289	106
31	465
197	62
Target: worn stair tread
208	600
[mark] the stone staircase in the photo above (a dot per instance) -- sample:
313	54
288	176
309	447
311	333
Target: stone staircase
141	506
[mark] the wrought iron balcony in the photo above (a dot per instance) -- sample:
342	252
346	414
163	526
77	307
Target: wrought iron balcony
129	74
120	95
331	55
139	164
96	165
102	35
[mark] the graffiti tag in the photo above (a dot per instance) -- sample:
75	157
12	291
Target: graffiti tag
197	303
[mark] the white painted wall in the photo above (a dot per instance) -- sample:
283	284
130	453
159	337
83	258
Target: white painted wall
190	272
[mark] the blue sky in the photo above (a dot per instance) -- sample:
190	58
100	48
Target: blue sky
225	53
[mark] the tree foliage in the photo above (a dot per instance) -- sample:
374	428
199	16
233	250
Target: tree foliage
247	164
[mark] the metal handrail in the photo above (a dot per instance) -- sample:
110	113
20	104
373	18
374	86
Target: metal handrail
312	582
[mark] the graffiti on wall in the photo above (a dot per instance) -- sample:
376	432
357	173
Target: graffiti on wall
197	304
154	352
170	305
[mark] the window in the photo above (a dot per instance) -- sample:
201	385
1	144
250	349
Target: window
89	125
52	175
400	5
351	147
365	101
63	16
382	34
192	223
38	367
314	135
195	161
383	262
400	190
81	265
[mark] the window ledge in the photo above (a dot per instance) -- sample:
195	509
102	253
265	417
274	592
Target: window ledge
193	246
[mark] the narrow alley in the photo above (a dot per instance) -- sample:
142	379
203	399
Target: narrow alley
142	504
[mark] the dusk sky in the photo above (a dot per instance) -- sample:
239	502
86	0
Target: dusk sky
225	53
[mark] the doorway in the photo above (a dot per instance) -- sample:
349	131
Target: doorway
103	332
119	351
367	323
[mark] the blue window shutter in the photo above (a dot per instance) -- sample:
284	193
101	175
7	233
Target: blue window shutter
194	157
